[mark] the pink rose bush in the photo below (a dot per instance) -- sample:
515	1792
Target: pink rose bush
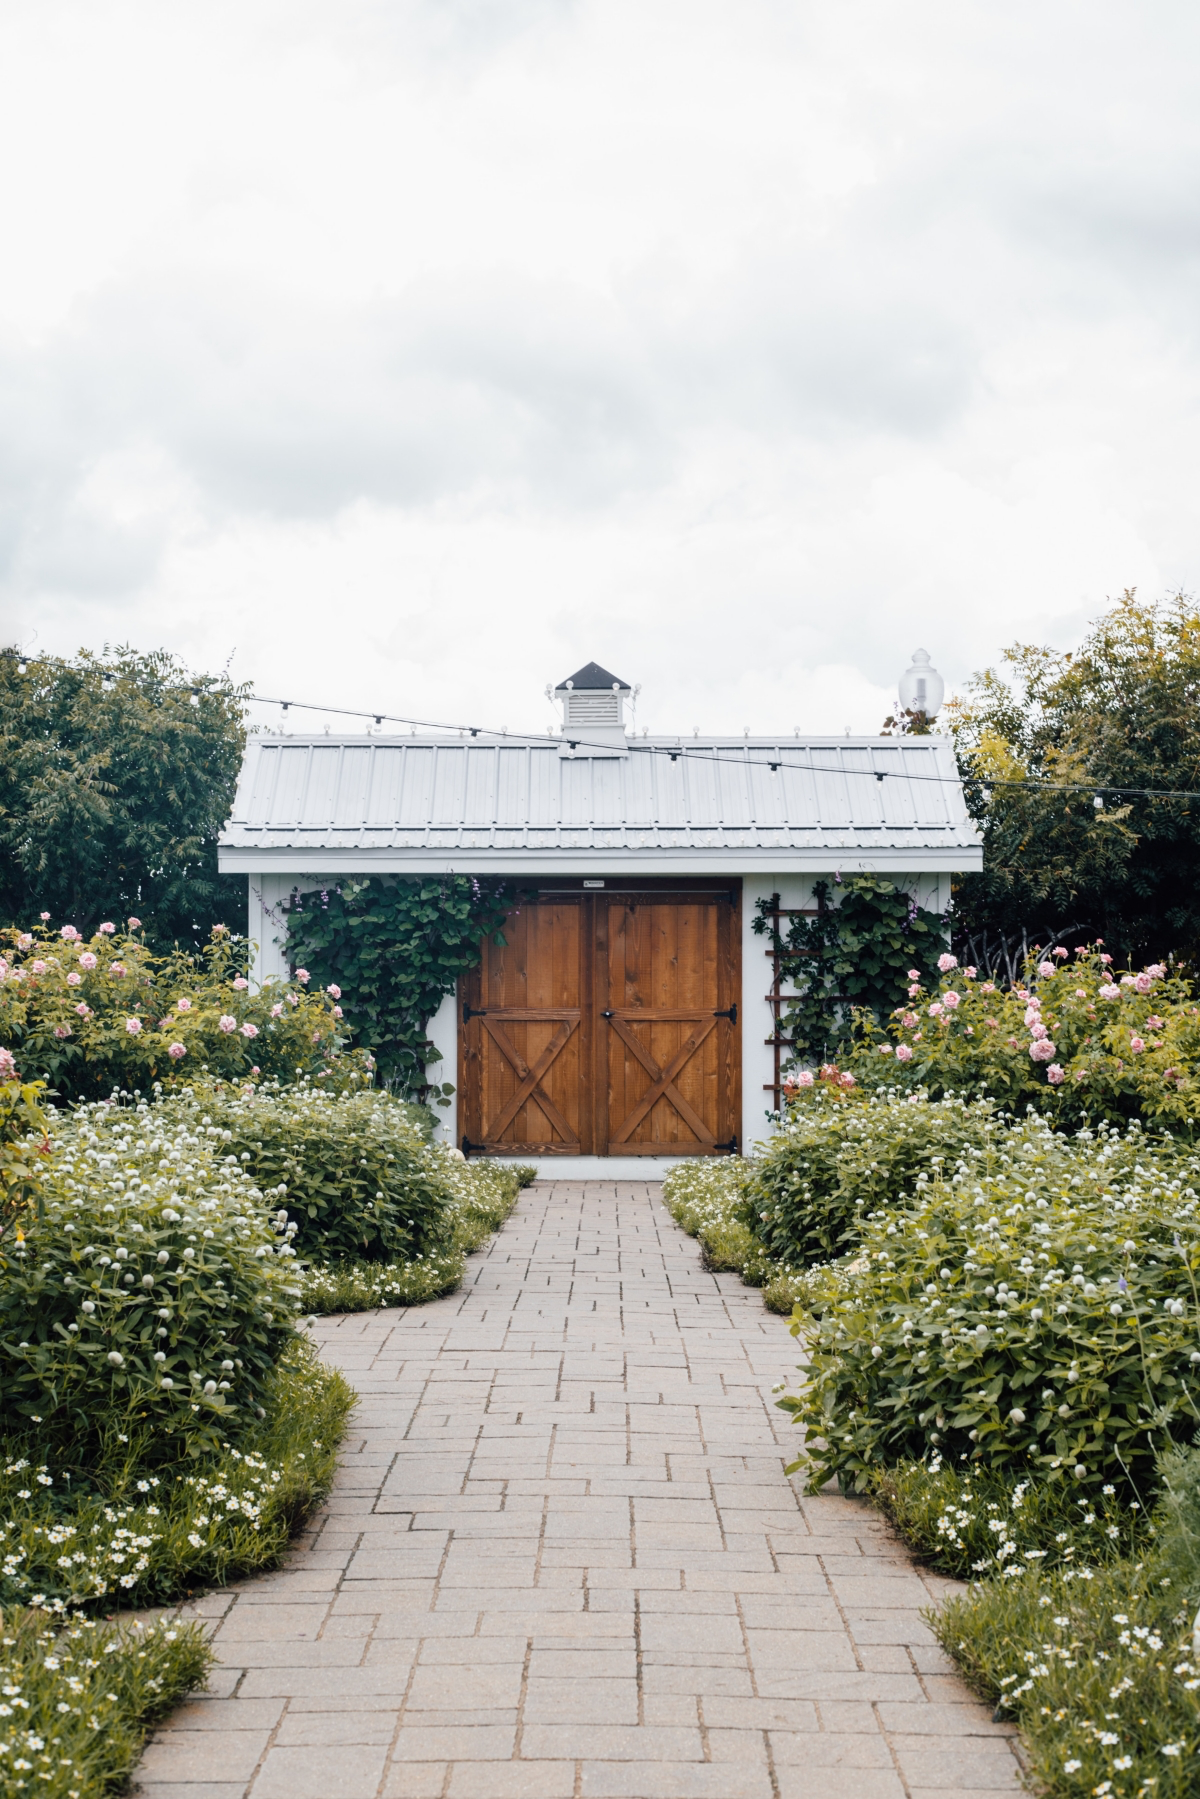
1071	1036
91	1015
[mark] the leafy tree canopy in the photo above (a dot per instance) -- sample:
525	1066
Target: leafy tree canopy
116	774
1123	711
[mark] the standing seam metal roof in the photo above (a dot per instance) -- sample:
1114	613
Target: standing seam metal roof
440	793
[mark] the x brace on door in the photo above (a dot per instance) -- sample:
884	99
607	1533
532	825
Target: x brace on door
663	1078
530	1076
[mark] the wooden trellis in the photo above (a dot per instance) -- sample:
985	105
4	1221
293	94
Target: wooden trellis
777	998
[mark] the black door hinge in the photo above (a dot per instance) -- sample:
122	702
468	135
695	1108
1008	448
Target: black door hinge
470	1012
730	1013
730	1148
468	1146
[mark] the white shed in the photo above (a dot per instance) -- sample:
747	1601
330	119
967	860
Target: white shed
627	1021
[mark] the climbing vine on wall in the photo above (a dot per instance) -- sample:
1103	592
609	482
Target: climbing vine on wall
396	946
856	952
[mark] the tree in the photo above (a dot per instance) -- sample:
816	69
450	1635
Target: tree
116	774
1122	712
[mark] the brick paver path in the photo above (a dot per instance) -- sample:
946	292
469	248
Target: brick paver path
563	1559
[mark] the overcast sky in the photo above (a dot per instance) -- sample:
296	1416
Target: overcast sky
414	352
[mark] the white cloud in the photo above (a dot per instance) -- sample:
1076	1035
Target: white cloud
427	350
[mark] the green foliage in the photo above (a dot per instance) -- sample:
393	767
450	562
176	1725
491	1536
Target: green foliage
358	1178
708	1200
1122	711
24	1142
837	1154
148	1291
113	789
983	1523
484	1193
396	946
1099	1668
1033	1309
88	1015
1073	1038
81	1696
134	1530
853	954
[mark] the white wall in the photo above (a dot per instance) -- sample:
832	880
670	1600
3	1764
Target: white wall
443	1034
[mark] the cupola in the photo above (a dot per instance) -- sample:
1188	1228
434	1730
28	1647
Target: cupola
593	703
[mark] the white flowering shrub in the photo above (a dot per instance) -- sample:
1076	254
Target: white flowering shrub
148	1290
357	1175
77	1697
708	1199
1032	1308
841	1151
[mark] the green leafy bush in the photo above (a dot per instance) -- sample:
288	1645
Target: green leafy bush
102	1013
839	1152
1099	1665
397	945
359	1179
135	1530
1073	1038
708	1200
80	1696
147	1289
1035	1308
482	1196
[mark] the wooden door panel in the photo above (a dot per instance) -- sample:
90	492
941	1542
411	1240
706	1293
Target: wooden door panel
604	1025
524	1075
670	1055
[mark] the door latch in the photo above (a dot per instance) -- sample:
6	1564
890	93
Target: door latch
608	1015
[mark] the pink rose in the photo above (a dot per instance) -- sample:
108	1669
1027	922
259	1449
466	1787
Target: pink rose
1136	1046
950	1000
62	1030
935	1010
83	1009
946	962
135	924
183	1005
333	992
176	1050
74	980
1060	953
914	974
903	1053
804	1078
1032	1013
1038	1030
1055	1075
163	1023
87	961
914	990
108	929
276	1011
847	1079
1106	960
337	1012
69	933
44	916
226	1024
1154	1023
8	1067
970	972
133	1026
1042	1050
316	1036
1156	971
117	969
885	1049
909	1021
988	987
249	1030
1080	993
1143	982
293	999
38	967
1045	969
24	941
241	983
303	976
256	1070
1110	990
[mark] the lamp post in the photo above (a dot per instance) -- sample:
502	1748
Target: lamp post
921	693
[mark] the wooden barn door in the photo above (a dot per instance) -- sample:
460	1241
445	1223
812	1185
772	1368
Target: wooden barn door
607	1026
525	1062
667	1042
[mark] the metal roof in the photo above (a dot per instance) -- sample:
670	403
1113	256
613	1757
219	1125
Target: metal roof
438	804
